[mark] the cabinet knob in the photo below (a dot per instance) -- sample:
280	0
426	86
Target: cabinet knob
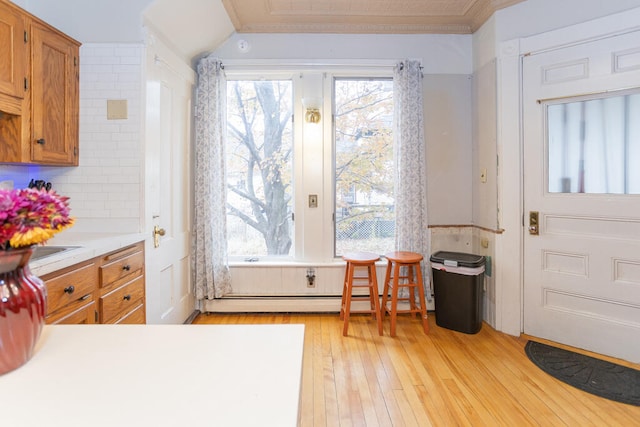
41	141
126	267
69	289
127	297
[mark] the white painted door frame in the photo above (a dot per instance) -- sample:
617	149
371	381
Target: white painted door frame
169	85
508	267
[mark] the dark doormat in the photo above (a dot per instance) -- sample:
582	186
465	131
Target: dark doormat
595	376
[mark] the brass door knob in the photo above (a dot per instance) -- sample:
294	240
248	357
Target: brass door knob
157	232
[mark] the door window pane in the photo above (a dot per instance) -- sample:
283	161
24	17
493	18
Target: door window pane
364	199
259	167
592	144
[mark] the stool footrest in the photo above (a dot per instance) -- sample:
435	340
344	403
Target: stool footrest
362	312
360	298
354	285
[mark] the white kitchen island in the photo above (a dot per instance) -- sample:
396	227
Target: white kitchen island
158	375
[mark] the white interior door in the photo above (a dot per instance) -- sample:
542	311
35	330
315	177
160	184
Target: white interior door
167	181
582	272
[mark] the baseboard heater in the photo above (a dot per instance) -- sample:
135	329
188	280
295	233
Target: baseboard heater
276	304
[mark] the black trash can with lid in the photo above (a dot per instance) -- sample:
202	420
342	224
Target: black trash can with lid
458	282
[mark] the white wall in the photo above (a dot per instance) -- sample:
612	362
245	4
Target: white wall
89	21
190	27
485	167
441	54
539	16
448	126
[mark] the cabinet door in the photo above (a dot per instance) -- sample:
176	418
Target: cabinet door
54	91
12	52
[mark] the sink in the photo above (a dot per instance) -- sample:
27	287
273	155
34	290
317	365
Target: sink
44	251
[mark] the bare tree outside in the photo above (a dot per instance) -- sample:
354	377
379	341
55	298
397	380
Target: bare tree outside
260	168
259	154
365	214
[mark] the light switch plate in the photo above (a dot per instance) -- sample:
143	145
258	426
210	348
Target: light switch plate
117	109
313	200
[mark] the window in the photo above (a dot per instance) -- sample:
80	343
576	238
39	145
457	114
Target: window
259	167
276	162
364	200
592	143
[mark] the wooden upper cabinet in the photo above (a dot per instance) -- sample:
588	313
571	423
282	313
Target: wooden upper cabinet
12	52
39	95
54	97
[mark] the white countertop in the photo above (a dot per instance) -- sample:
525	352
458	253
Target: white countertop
87	246
158	375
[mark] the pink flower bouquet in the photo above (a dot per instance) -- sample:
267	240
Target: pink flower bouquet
30	216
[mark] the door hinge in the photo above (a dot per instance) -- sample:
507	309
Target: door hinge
95	315
293	216
75	151
75	60
26	84
26	37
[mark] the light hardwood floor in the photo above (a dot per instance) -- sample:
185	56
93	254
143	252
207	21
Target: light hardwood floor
445	378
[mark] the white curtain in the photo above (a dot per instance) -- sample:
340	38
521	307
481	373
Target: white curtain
412	232
210	266
594	145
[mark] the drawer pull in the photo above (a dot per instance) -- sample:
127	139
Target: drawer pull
126	267
127	297
69	289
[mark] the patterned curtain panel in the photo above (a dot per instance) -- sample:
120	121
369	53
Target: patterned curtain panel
412	232
210	266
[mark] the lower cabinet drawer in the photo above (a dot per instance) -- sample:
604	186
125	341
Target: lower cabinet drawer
135	317
69	287
121	267
122	300
77	314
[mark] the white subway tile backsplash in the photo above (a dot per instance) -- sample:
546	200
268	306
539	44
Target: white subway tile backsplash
90	51
106	188
128	77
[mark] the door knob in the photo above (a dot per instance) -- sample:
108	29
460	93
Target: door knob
157	232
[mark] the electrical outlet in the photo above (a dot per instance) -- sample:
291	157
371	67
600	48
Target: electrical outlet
311	277
313	200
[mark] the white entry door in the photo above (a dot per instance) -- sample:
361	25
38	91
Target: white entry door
167	186
581	115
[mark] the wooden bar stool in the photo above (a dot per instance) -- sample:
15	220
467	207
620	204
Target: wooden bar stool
361	261
412	280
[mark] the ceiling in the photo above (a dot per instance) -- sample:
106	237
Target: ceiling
361	16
